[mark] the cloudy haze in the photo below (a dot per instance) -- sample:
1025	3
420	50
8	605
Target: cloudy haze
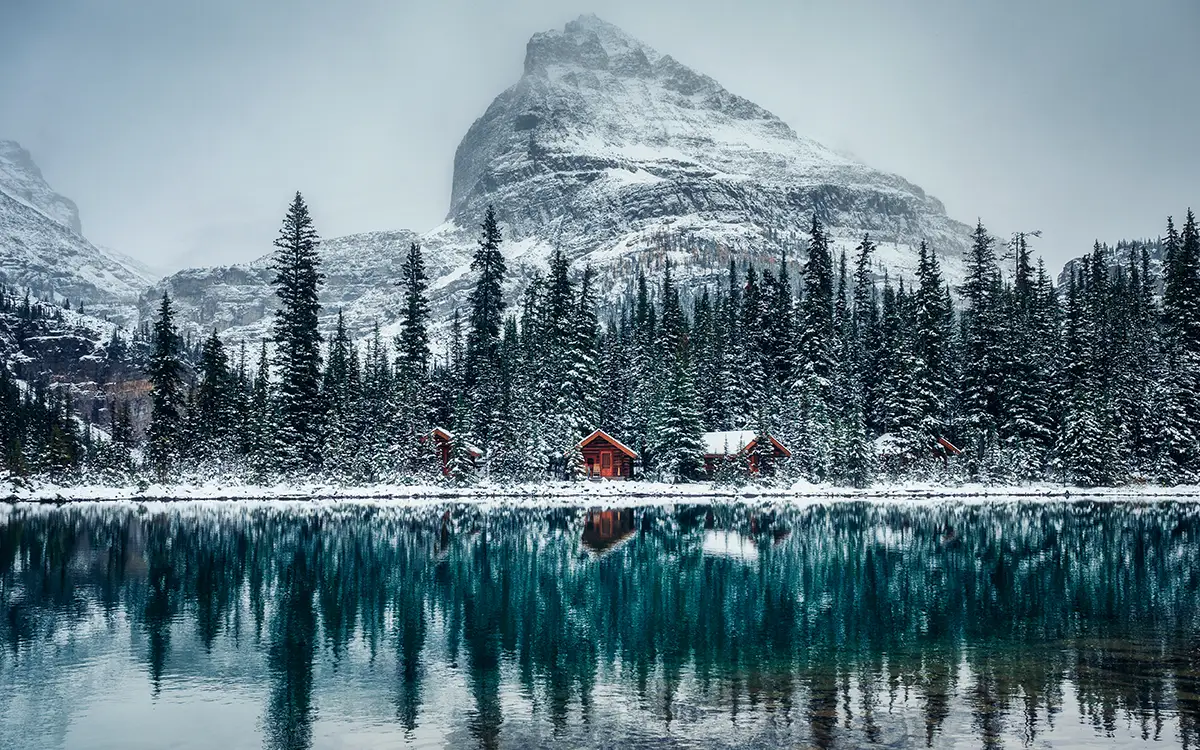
182	128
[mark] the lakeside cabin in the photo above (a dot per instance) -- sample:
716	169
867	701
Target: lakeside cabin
444	439
605	457
719	446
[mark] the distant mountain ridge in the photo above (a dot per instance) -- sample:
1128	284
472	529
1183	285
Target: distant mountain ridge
620	156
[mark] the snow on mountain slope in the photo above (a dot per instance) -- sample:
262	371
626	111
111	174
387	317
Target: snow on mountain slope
620	156
23	181
41	247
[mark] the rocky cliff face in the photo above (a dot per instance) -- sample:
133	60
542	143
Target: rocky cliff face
42	246
620	156
604	137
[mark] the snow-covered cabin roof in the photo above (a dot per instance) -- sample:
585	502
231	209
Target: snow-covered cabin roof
448	436
727	443
617	443
732	442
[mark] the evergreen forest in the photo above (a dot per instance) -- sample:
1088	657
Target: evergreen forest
1005	378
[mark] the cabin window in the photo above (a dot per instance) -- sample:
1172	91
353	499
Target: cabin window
606	461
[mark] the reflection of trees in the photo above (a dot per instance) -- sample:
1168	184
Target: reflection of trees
859	604
293	641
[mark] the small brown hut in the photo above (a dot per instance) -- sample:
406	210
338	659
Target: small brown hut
606	457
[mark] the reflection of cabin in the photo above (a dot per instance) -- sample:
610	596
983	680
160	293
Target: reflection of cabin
444	442
719	446
606	457
603	530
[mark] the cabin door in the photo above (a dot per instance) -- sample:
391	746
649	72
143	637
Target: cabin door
606	466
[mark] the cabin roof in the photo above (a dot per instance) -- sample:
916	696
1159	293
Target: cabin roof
616	443
448	436
732	442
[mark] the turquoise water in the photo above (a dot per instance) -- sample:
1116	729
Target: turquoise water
841	625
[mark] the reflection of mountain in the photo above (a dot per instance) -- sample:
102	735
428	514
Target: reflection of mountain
968	624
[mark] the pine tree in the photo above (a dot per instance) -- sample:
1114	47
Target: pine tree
412	361
337	395
932	340
812	400
583	375
982	354
298	341
482	367
676	435
213	417
165	371
1082	441
263	421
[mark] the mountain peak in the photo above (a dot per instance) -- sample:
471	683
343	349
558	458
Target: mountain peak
591	43
21	180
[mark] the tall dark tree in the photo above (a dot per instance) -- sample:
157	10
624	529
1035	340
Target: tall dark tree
165	371
483	369
213	418
812	398
982	350
297	340
339	393
412	359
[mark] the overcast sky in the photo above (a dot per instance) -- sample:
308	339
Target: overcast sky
181	128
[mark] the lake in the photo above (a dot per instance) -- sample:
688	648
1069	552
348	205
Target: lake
844	624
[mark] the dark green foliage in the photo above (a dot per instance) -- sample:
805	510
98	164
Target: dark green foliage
298	341
861	374
166	373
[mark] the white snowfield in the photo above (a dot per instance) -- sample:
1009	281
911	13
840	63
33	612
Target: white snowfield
570	494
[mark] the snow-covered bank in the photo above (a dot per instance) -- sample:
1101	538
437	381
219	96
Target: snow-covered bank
575	493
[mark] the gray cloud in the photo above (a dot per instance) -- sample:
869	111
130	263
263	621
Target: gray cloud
181	128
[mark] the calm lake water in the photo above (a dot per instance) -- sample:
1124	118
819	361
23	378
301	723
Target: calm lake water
839	625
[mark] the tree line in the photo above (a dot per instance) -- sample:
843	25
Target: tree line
1006	378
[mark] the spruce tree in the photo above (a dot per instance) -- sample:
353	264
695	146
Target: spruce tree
297	282
213	417
812	405
482	371
1081	442
338	397
263	421
165	372
982	351
412	360
931	344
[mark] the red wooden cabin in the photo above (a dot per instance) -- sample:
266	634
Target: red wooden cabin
443	439
606	457
720	445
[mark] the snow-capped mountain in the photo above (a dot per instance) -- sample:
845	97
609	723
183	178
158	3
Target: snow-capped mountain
42	246
617	154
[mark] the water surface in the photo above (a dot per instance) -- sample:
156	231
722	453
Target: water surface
840	625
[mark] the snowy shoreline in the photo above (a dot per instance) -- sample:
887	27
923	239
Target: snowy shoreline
576	493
